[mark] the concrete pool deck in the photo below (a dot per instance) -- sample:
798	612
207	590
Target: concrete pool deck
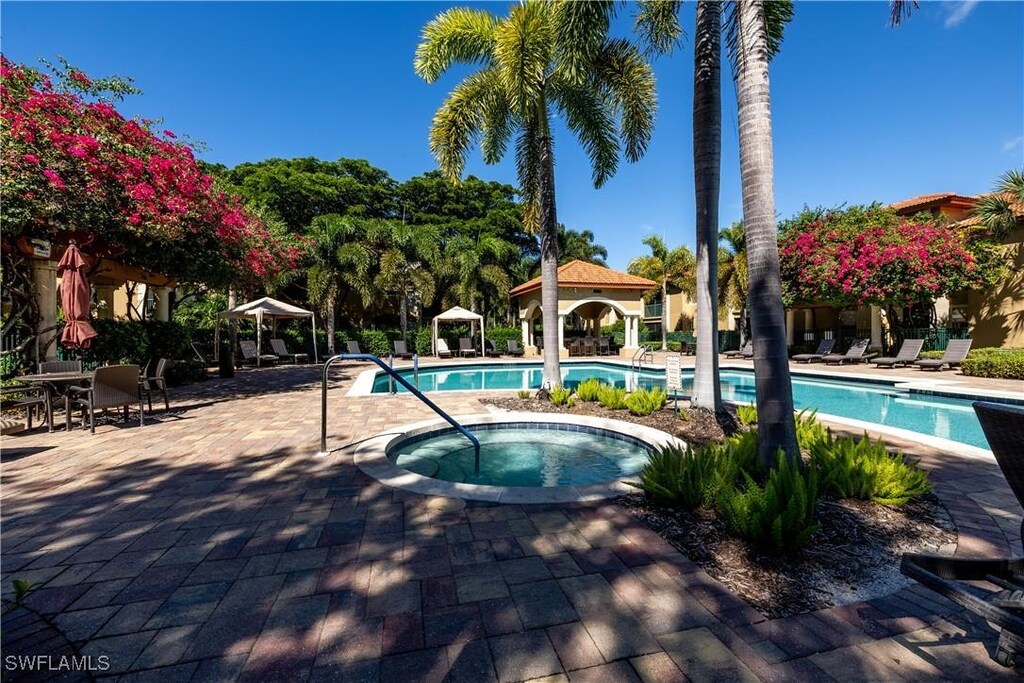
212	544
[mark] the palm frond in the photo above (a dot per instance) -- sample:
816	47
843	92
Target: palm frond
458	122
657	24
528	170
630	82
900	10
589	117
776	14
459	35
580	29
522	51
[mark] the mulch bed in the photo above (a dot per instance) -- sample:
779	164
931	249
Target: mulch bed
854	556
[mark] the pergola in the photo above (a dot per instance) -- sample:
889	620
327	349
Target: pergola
260	310
590	291
459	314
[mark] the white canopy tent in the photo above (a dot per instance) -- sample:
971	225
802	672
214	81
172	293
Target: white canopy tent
459	314
265	309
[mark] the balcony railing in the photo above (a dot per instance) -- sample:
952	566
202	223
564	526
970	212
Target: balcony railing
652	310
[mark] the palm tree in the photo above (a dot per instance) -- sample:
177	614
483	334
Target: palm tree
324	274
479	269
405	255
664	265
579	244
751	47
998	211
733	275
541	58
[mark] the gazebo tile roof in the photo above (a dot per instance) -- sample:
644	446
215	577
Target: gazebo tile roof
582	274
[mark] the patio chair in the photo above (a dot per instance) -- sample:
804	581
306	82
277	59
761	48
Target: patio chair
1002	605
466	347
490	349
250	354
513	348
855	354
442	349
155	382
353	347
825	347
281	349
113	386
49	366
954	355
746	351
589	346
402	349
575	347
604	346
29	397
910	349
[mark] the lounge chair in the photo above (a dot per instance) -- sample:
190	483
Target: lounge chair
113	386
353	347
513	348
746	351
250	354
490	349
1003	604
910	349
402	349
825	347
281	349
466	347
855	354
954	355
50	366
155	382
442	349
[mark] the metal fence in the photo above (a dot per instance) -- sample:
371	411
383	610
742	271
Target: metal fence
935	338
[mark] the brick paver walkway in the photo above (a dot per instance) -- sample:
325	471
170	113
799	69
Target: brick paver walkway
213	545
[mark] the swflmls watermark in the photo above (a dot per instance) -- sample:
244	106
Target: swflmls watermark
56	663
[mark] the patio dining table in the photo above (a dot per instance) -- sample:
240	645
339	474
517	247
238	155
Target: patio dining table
58	383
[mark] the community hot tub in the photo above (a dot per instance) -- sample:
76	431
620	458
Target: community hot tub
524	457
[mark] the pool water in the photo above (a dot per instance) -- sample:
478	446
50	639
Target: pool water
516	455
878	403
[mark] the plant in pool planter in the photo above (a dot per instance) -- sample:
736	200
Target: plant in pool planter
560	396
523	393
863	469
610	397
588	389
809	431
646	401
779	515
747	415
681	477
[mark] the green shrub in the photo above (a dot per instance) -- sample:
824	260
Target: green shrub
167	339
501	335
523	393
616	331
646	401
932	354
185	372
376	342
613	398
863	469
560	396
674	345
117	342
779	515
995	363
423	341
588	389
747	415
680	477
809	431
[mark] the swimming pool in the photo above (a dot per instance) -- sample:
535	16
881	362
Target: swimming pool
879	403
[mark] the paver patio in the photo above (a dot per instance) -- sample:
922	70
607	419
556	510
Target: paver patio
213	544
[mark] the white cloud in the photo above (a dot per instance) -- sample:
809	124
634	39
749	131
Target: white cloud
958	11
1011	145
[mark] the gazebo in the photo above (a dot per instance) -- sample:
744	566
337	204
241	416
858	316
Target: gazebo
264	309
459	314
591	291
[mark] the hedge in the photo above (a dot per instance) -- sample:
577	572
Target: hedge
995	363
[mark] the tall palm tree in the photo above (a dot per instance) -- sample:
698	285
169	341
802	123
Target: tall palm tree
664	266
324	274
541	58
998	211
733	274
479	270
405	256
750	44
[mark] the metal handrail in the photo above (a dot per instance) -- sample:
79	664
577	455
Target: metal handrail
401	380
642	352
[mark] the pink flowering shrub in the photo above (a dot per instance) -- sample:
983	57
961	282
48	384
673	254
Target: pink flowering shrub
75	167
863	255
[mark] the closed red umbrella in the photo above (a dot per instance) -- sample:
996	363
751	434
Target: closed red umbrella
74	299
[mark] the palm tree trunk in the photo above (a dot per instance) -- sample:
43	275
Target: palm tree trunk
707	171
403	314
549	255
775	426
329	324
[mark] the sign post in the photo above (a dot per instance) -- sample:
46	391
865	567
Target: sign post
673	379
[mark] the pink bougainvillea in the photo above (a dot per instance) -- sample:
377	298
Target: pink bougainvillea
72	164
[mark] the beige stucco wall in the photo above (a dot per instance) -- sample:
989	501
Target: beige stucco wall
628	301
996	316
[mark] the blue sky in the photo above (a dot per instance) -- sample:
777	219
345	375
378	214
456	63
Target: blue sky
861	111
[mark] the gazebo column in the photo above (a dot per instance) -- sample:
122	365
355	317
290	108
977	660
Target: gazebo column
876	326
562	351
44	275
524	325
790	327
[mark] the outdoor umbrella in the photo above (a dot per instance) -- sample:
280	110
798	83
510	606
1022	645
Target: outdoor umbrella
74	299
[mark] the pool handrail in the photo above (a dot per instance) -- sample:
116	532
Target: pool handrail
401	380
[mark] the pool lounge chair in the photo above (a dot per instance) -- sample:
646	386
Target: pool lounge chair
281	349
249	353
746	351
491	350
402	349
825	347
954	355
352	347
466	347
513	348
1001	603
442	349
855	354
908	353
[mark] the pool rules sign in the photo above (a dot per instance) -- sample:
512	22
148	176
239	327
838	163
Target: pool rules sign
673	378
